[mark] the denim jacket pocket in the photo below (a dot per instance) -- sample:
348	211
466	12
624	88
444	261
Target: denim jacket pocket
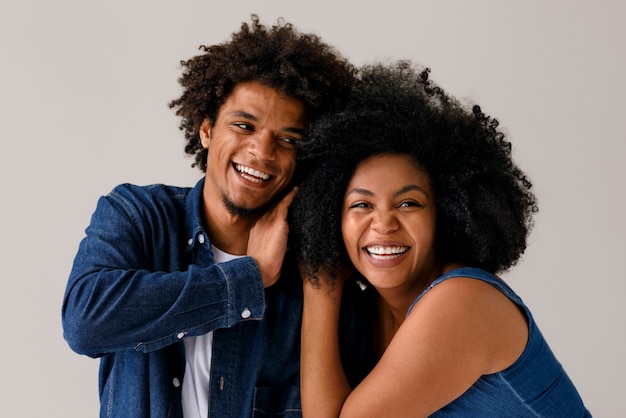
277	401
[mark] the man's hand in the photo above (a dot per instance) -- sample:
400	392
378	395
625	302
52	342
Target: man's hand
268	240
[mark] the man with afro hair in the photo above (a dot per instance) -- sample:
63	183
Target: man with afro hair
185	293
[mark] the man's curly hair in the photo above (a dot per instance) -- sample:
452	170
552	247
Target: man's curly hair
299	65
483	200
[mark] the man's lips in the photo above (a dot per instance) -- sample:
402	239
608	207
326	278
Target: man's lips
251	174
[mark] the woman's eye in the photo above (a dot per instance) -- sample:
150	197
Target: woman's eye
410	204
359	205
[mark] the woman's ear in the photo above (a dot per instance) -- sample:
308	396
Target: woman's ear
205	133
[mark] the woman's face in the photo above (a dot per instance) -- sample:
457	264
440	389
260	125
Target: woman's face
388	223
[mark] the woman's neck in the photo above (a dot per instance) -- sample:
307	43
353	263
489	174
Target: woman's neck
393	304
388	320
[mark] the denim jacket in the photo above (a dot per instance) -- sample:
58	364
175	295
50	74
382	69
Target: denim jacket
144	278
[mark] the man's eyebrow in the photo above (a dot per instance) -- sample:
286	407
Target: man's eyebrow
250	116
243	114
299	131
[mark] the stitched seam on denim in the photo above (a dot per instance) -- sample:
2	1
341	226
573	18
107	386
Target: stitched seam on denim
522	400
110	402
130	211
174	334
229	292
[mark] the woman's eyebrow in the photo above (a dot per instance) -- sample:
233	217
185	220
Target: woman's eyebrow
359	190
409	188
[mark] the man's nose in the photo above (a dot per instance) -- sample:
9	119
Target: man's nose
262	145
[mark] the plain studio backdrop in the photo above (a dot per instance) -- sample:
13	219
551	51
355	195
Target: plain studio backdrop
84	88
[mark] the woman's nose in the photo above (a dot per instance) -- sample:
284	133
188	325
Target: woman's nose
384	222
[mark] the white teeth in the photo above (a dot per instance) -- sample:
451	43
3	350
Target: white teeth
252	174
381	252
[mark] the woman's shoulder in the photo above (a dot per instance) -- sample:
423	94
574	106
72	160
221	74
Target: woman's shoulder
464	291
472	299
459	280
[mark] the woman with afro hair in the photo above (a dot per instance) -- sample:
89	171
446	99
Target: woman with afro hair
416	195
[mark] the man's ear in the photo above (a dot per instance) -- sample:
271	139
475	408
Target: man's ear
205	133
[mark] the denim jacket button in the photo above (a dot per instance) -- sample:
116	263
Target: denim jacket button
176	382
246	313
201	239
180	335
190	241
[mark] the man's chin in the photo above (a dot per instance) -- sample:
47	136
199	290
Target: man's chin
241	211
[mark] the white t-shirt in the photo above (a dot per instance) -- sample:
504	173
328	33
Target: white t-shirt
195	394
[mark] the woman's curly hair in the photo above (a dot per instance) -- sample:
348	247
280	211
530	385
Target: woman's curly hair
483	200
298	65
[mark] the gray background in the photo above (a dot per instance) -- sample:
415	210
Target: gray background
83	93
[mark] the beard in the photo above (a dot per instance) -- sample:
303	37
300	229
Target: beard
241	211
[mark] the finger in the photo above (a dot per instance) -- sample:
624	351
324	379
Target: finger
284	204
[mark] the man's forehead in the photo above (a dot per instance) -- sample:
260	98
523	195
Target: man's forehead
255	101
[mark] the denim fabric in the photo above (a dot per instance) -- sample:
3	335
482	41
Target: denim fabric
144	278
534	386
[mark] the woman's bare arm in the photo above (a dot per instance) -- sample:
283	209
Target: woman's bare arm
323	386
461	329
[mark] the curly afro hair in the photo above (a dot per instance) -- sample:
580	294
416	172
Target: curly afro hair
298	65
483	200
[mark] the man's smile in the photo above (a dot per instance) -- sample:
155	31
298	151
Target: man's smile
252	174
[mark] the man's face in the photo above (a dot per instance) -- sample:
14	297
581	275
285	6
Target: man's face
252	147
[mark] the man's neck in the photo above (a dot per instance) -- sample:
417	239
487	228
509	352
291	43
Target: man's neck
227	232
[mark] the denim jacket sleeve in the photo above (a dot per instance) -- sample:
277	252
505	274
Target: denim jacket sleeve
133	285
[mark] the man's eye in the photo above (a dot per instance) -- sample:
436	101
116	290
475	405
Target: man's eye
244	126
290	141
